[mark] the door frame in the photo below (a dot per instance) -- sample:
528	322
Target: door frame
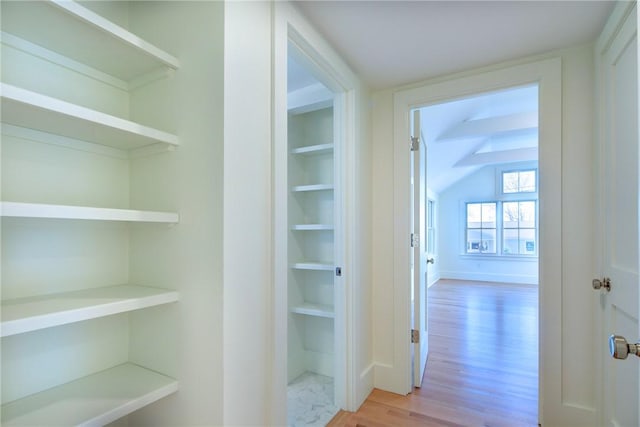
548	75
290	27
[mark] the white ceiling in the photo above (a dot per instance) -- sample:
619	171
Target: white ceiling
389	43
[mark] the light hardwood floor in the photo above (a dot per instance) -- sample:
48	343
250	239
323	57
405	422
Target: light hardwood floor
483	362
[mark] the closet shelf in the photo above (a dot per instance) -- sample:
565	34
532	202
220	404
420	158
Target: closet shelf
312	227
38	210
313	149
30	314
315	310
94	400
312	266
32	110
313	187
72	30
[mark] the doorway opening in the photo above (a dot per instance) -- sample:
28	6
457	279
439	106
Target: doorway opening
481	231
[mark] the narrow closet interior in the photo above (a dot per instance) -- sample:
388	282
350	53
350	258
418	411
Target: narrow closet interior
312	231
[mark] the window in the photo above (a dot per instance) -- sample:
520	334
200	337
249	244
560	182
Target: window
481	228
521	181
431	231
519	228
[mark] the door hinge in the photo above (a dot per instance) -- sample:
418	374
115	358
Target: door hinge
415	240
415	336
415	143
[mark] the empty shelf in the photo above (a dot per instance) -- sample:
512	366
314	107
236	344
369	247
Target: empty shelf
94	400
313	187
312	266
21	107
312	227
38	210
30	314
72	30
315	310
313	149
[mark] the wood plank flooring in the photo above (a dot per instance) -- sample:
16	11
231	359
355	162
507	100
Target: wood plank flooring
483	363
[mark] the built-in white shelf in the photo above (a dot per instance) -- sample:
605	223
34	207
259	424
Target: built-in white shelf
72	30
313	187
315	310
313	149
39	210
312	227
319	266
30	314
21	107
94	400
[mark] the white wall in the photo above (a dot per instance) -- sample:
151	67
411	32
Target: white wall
479	186
433	270
577	117
255	364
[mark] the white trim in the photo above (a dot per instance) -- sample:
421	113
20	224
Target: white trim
314	52
490	277
547	73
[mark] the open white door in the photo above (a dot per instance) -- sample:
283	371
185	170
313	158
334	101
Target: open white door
619	284
419	336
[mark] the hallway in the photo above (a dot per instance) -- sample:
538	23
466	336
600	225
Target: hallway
482	367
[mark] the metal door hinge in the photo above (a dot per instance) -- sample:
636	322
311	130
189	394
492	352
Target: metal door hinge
415	240
602	284
338	271
415	143
415	336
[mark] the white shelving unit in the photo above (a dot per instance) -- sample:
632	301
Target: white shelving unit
316	310
83	58
40	210
58	25
27	109
312	187
94	400
312	227
31	314
311	242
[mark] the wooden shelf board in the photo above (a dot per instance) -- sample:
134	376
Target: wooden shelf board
38	210
312	187
94	400
312	266
31	314
312	227
315	310
72	30
21	107
313	149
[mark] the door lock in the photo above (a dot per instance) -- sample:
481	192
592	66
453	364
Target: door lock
602	284
620	348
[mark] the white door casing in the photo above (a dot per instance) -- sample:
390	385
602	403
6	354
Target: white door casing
547	73
617	59
419	262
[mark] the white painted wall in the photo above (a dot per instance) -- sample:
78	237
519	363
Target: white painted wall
578	383
185	339
480	186
247	213
433	270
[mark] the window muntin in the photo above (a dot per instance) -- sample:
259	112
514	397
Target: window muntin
520	181
519	236
481	228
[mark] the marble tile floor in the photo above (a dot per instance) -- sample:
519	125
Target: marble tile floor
310	401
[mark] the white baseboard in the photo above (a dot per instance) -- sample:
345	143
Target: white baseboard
490	277
364	386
